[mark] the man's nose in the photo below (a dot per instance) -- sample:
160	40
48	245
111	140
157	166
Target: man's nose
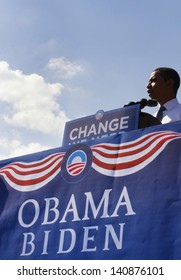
148	85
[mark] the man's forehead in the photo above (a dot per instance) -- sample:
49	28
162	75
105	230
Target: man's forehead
154	74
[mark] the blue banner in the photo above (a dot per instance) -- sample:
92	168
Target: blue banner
116	198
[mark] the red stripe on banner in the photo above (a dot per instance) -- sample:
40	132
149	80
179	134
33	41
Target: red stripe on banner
133	163
124	154
36	164
30	172
71	167
130	145
32	181
77	171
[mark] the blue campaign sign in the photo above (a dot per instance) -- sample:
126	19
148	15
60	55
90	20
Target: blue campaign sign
116	198
101	124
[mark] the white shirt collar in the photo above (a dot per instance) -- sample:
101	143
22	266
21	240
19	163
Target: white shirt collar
171	103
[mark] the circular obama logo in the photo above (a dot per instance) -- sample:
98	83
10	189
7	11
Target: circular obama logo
76	163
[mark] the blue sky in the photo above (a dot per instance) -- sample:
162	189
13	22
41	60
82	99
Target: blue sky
64	59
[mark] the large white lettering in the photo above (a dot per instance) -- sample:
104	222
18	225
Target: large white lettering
53	217
28	244
71	208
124	200
22	209
96	129
87	236
52	207
110	232
48	210
90	201
63	233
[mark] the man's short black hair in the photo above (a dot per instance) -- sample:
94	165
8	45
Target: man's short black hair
169	73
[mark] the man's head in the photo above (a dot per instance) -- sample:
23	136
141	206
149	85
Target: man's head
163	84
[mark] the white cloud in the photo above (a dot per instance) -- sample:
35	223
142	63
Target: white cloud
30	108
32	102
64	68
14	148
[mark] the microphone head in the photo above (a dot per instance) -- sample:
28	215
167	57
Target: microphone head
143	102
130	104
152	103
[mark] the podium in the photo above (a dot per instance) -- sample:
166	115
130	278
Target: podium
147	120
104	124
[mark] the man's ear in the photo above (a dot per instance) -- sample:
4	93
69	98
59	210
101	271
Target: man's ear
170	83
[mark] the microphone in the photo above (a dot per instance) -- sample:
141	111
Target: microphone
152	103
143	103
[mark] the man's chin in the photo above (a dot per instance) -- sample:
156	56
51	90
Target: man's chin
151	96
